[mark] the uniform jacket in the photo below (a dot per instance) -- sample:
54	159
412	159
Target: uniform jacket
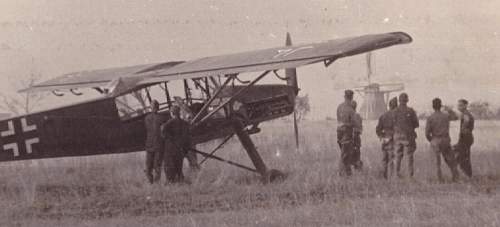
438	125
357	123
345	114
152	123
466	123
176	132
406	122
385	125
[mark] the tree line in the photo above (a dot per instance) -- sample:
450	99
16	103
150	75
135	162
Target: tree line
481	110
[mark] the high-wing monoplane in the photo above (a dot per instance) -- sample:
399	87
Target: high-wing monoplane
225	105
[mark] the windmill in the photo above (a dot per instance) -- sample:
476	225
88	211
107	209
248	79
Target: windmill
375	95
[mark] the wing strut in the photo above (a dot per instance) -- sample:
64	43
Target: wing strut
187	90
167	94
204	89
238	93
217	148
207	87
207	155
207	104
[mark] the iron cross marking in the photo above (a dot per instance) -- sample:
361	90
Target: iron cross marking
18	136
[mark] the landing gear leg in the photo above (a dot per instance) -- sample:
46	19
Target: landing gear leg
246	141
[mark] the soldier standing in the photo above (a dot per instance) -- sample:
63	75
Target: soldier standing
437	132
345	115
154	144
357	130
385	131
177	143
465	138
406	122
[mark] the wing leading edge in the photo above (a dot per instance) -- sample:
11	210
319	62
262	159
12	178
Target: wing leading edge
252	61
278	58
96	78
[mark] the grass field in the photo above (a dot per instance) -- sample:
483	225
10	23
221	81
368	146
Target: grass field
112	191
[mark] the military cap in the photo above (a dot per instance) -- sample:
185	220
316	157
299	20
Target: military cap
393	103
403	97
349	93
463	101
436	103
175	110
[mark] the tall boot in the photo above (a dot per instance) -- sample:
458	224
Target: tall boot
410	165
438	167
398	165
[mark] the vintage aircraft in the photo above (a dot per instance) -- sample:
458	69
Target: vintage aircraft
114	123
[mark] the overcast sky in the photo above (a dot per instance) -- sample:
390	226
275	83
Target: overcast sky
455	53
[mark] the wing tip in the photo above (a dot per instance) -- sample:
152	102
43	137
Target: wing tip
403	36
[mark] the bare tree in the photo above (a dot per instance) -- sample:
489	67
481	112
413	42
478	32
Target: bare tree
22	103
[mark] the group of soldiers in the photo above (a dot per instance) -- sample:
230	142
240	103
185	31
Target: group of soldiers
168	139
396	130
167	143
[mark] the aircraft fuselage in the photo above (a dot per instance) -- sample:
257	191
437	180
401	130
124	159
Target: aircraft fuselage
97	127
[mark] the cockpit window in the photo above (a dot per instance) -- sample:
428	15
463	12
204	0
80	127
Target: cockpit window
138	102
133	104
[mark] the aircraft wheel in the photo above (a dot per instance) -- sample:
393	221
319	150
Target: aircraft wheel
275	175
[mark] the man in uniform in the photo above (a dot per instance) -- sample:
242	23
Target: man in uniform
465	138
154	144
385	132
177	142
357	130
437	132
345	116
406	122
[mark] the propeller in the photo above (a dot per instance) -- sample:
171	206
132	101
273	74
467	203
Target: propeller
291	76
296	129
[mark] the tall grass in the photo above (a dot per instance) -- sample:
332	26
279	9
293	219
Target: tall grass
112	190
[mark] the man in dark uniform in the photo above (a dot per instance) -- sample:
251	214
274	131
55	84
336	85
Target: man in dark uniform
465	138
385	132
177	143
345	116
406	122
357	129
437	132
154	144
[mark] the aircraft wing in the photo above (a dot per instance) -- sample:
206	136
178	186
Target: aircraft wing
252	61
277	58
95	78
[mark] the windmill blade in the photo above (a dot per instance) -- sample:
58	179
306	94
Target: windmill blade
359	88
391	87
